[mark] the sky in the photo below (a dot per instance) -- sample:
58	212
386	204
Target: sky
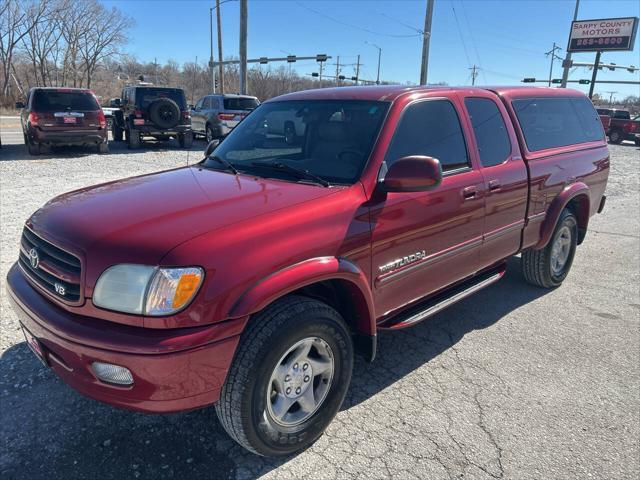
506	39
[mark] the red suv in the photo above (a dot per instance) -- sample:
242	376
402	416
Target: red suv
249	280
62	116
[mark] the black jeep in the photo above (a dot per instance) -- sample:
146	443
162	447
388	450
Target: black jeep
148	111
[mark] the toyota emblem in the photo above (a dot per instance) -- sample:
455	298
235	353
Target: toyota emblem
34	258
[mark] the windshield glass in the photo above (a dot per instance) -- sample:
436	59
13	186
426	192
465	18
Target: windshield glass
144	96
240	103
331	139
58	100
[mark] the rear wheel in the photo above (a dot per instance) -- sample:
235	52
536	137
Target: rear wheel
615	136
133	138
209	134
549	266
33	148
289	377
117	132
185	139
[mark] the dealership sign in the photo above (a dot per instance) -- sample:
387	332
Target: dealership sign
603	35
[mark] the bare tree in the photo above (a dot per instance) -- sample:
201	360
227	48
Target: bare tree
17	19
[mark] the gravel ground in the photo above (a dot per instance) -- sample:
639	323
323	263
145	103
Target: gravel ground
515	382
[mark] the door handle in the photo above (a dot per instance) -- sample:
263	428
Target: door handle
494	185
469	193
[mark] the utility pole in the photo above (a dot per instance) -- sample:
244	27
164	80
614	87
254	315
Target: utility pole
379	55
320	77
596	65
338	67
426	36
611	94
552	52
213	72
474	74
220	66
358	69
243	47
567	59
155	70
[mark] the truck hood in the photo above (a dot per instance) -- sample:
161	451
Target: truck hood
139	219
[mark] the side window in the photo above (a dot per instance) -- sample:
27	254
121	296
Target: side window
591	125
207	103
490	131
552	122
430	128
199	104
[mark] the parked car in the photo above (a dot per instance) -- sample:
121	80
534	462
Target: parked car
110	110
148	111
250	279
214	116
606	122
62	116
621	126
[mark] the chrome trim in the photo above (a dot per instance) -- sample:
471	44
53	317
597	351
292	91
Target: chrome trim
430	260
449	301
492	235
538	217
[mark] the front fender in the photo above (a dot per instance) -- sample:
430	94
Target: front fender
306	273
555	209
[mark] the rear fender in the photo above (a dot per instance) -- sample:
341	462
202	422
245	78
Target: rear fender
558	204
306	273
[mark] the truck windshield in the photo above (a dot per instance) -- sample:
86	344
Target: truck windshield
327	138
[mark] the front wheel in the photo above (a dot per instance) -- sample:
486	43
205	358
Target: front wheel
133	138
549	266
615	136
289	377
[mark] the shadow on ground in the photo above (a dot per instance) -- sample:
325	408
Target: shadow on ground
49	431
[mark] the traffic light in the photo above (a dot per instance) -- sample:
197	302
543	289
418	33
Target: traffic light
291	58
632	68
341	77
556	80
264	60
321	57
315	74
584	82
528	80
355	79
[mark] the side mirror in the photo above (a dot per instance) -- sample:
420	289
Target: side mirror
211	147
416	173
20	105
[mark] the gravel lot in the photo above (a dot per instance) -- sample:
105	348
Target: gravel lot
516	382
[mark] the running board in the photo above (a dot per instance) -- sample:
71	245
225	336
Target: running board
441	301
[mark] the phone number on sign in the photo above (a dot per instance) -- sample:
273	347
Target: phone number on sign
599	41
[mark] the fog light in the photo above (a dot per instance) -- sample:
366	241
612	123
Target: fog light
112	373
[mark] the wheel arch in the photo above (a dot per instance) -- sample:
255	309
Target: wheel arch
335	281
576	197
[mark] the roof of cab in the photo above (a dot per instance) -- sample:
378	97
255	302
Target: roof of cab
388	93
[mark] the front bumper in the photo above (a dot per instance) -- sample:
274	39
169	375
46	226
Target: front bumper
173	370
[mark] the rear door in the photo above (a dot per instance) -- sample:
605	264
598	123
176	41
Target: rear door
198	116
66	109
495	145
425	241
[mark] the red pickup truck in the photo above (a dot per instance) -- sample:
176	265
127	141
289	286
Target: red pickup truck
250	279
620	126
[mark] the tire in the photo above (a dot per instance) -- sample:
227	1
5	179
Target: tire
539	266
33	148
245	408
185	140
103	147
164	112
209	135
117	132
133	139
616	137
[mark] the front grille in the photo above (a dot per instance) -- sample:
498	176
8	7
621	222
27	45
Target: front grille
51	268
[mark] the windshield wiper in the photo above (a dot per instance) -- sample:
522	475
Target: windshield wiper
227	164
296	171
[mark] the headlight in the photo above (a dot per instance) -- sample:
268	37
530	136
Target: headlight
142	289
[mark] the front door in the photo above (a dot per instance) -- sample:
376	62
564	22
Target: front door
426	240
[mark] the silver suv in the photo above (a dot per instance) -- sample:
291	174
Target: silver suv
214	116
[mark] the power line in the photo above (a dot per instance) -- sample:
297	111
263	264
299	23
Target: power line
464	45
350	25
473	41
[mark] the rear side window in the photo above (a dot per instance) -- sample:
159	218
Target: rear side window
240	103
62	101
490	131
430	128
557	122
622	114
